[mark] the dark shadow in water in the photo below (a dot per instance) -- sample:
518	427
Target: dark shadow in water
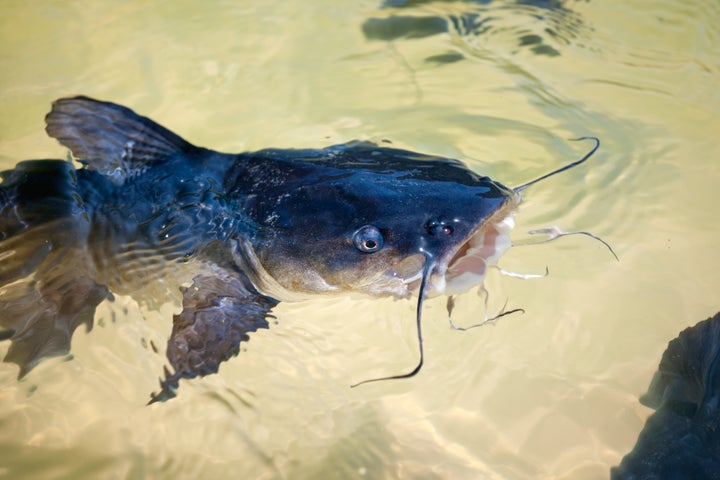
548	22
681	440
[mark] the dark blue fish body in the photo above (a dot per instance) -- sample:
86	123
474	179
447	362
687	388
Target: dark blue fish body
152	216
681	440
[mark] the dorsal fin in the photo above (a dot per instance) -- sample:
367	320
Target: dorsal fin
111	139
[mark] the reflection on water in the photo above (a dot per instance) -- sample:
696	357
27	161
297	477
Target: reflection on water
534	25
551	393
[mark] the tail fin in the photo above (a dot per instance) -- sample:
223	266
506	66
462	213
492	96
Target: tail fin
34	192
46	273
40	315
111	139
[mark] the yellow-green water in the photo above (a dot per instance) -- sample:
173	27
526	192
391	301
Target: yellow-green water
551	394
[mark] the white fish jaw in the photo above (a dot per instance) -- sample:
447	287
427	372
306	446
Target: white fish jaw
467	266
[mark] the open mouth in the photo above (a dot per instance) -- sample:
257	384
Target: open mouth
468	265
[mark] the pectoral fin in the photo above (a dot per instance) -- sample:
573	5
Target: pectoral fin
220	308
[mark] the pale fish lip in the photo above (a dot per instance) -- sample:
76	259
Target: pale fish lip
484	249
467	266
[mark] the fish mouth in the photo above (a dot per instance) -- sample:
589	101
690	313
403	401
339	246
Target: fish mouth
466	265
460	269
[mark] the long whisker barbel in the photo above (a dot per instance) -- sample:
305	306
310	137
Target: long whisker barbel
566	167
421	296
429	265
554	233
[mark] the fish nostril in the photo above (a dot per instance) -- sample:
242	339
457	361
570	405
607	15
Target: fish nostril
435	225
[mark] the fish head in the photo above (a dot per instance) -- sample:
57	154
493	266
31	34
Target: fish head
377	220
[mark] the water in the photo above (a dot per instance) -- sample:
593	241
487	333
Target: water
503	85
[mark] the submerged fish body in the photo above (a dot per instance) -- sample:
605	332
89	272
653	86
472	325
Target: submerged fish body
681	440
228	235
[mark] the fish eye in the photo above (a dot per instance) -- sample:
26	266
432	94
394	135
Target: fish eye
368	239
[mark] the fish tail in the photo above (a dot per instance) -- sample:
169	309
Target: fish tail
37	196
46	275
39	317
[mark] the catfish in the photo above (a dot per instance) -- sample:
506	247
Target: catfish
149	215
